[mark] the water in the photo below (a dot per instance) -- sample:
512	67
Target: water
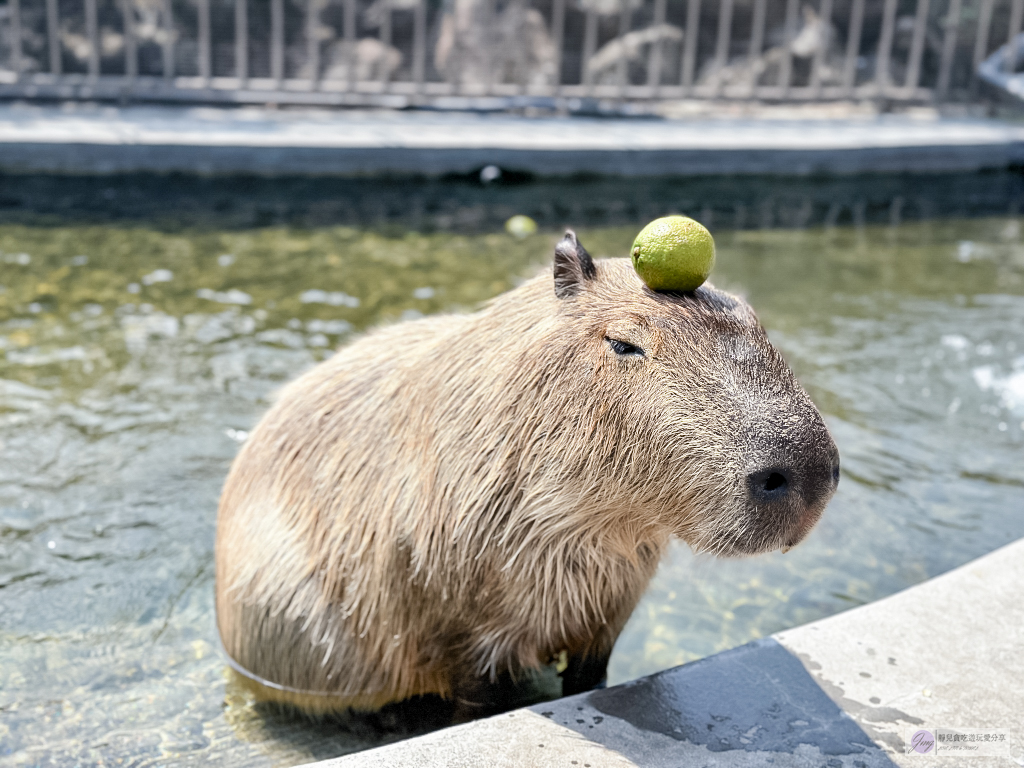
135	357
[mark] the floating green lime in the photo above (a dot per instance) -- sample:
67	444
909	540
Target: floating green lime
521	226
674	253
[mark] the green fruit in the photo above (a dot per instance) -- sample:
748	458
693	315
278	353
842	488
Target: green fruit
521	226
674	253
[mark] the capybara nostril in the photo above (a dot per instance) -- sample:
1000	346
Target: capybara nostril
770	485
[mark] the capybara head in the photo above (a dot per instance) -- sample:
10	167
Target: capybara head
704	424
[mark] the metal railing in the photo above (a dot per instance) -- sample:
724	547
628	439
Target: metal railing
506	52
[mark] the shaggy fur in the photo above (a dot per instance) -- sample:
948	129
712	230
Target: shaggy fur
458	498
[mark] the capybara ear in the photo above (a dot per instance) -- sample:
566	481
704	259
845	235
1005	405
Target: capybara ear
573	265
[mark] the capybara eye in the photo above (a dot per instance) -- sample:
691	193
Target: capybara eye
624	347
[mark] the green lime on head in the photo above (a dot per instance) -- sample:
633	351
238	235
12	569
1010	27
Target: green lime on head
674	253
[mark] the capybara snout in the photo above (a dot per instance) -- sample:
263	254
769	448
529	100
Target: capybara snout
447	502
788	491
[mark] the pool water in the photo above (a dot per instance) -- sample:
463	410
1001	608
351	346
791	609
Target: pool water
135	358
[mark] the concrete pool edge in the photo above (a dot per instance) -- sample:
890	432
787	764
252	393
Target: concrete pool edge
842	691
89	139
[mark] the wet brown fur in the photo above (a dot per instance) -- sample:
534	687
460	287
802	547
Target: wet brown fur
459	497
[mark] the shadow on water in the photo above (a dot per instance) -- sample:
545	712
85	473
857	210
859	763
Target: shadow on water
755	698
465	204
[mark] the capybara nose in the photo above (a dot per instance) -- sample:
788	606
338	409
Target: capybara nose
793	489
770	485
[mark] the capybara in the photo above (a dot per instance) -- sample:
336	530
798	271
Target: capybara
459	499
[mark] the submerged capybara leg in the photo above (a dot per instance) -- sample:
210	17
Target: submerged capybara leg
482	698
587	668
584	673
476	698
419	714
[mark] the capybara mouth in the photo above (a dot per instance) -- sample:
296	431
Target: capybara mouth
805	524
768	533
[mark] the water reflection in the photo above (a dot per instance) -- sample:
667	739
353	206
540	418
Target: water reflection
134	360
464	204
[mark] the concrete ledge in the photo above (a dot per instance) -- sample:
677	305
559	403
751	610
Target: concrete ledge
90	139
841	692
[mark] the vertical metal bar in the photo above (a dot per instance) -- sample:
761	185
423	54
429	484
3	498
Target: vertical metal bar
624	22
53	36
242	42
203	8
1016	16
853	46
917	46
385	36
948	48
757	30
131	50
277	41
819	55
92	35
724	30
558	35
168	47
16	54
654	57
789	34
981	37
313	42
419	45
981	41
349	35
757	25
589	46
490	40
690	43
885	46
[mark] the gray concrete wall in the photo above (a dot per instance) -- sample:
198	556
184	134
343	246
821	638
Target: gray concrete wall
92	139
837	693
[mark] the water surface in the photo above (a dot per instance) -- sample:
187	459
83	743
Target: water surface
135	358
